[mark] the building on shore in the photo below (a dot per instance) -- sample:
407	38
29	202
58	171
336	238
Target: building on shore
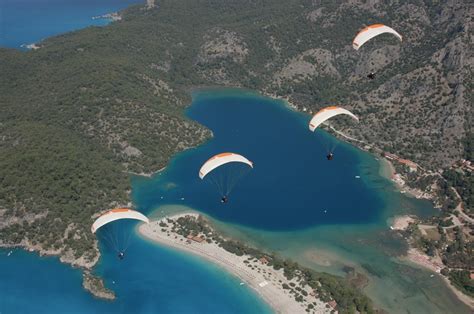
410	164
198	239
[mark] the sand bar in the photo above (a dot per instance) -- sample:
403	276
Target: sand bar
265	280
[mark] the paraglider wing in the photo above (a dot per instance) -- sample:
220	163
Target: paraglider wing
327	113
370	32
221	159
116	214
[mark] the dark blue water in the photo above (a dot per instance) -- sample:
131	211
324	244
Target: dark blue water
30	21
292	185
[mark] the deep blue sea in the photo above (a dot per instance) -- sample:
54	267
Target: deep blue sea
24	22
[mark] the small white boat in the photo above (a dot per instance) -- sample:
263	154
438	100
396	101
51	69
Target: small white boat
9	253
357	177
242	283
391	228
182	198
325	211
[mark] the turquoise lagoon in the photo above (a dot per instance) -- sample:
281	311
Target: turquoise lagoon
295	202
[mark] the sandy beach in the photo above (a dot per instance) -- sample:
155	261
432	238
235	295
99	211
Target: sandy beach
262	278
419	258
402	222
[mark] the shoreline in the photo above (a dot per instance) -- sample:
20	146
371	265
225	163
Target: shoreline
286	101
147	174
402	222
414	256
32	46
263	279
388	171
418	258
64	257
387	168
112	17
90	282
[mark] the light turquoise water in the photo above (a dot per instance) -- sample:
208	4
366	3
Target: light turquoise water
151	279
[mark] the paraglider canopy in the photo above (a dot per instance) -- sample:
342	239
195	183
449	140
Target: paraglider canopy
222	159
370	32
327	113
116	214
224	171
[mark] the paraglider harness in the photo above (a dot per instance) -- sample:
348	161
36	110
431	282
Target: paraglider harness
371	75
